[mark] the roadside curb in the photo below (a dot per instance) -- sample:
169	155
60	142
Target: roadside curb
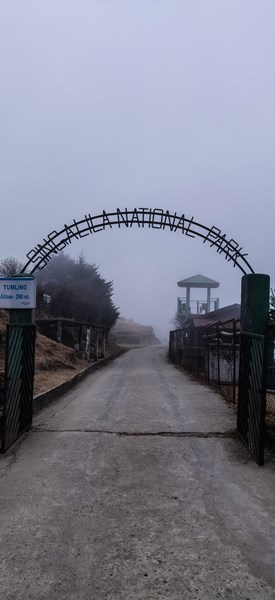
42	400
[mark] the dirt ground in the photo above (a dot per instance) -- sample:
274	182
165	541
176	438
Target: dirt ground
55	363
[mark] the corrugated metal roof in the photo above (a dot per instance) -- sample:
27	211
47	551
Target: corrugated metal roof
198	281
227	313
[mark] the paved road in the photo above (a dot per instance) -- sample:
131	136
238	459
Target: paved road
132	487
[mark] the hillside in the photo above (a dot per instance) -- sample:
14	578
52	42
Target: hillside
128	333
54	362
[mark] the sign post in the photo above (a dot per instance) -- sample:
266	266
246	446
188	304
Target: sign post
18	295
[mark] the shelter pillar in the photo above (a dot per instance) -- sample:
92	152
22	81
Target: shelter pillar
187	302
208	299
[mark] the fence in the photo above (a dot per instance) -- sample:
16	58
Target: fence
16	383
16	409
210	353
270	385
86	337
252	392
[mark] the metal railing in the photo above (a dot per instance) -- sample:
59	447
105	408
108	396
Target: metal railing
270	384
210	353
252	393
16	411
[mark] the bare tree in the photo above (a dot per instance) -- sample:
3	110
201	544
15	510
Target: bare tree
10	266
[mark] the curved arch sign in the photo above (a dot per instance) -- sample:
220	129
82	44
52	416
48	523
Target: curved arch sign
153	218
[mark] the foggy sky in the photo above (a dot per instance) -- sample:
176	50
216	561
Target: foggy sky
143	103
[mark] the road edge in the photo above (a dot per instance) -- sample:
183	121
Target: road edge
43	399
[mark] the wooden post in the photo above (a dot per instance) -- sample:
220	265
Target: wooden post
79	337
88	343
103	344
96	347
59	332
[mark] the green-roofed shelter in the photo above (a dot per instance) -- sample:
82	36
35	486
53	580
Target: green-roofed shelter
197	281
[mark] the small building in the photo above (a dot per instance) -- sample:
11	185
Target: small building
222	315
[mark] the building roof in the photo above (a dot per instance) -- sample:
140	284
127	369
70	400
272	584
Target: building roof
227	313
198	281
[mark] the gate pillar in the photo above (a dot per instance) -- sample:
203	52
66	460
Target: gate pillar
21	316
255	303
253	363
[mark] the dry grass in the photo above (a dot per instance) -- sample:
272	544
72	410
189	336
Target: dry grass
54	363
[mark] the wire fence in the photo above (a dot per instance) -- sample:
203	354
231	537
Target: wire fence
211	354
270	385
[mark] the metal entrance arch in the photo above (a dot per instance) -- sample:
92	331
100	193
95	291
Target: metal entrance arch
156	218
153	218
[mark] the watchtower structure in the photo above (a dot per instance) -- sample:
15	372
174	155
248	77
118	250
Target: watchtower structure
187	307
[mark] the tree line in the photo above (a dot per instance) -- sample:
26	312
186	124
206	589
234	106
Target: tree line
73	288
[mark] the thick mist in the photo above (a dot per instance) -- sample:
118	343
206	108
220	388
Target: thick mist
169	105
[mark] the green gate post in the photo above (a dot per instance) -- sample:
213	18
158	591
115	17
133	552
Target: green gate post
255	303
22	316
253	363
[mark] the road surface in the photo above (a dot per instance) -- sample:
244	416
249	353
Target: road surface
133	486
